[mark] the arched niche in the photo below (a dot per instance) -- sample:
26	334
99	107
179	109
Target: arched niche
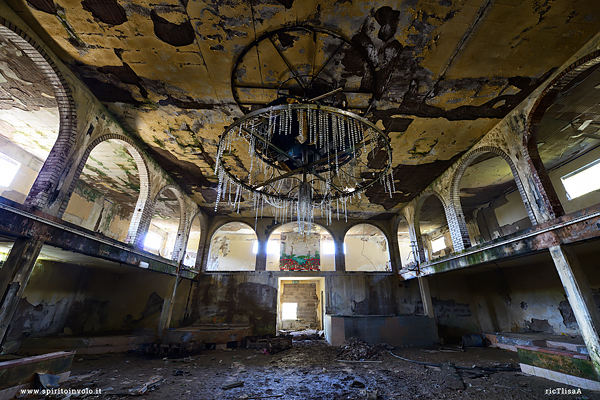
488	196
29	116
563	139
112	181
367	249
193	242
431	227
405	244
287	250
167	226
52	173
232	248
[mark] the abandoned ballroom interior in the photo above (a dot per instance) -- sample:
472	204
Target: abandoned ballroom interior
445	154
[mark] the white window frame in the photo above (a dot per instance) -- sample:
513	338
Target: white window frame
577	187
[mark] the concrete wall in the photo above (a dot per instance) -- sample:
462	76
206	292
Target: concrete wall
394	330
521	295
231	253
89	209
367	253
252	297
93	300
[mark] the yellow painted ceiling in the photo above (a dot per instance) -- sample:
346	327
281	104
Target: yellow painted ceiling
445	71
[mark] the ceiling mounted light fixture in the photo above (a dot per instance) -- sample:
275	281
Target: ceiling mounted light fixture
303	154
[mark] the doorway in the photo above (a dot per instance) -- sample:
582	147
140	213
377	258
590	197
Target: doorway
300	304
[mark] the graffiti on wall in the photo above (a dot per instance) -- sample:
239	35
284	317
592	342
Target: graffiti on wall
300	252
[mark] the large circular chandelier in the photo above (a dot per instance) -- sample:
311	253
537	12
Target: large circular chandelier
300	156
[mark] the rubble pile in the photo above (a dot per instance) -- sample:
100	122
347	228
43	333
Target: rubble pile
355	349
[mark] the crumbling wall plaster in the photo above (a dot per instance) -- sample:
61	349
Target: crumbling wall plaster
69	299
252	297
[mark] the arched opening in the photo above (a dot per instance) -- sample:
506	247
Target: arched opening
564	138
490	199
29	118
233	247
367	249
288	250
193	243
431	225
405	245
105	196
167	223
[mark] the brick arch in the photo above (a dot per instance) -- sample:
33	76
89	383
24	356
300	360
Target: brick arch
539	174
399	219
49	181
202	218
142	167
458	241
181	230
387	239
458	175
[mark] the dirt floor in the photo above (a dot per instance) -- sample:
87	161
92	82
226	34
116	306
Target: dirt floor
310	370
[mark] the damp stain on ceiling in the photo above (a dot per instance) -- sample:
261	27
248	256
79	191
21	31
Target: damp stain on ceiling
444	72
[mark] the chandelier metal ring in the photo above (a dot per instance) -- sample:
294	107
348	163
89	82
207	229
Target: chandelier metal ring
302	153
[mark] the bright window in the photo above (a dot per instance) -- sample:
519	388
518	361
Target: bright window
9	168
153	241
272	247
438	244
289	310
328	248
582	181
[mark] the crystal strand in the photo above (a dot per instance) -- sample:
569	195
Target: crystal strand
291	118
299	114
346	211
319	131
335	133
219	186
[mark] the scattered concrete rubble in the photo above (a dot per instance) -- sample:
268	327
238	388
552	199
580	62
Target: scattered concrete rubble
357	350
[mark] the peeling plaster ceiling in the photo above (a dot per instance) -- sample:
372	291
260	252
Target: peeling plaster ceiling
445	71
112	171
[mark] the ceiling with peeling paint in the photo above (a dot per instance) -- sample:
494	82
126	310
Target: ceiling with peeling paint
435	76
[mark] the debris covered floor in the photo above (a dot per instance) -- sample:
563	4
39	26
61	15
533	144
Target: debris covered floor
311	370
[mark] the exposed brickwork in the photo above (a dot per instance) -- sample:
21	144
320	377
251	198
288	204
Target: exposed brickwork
47	185
305	295
539	174
455	188
458	241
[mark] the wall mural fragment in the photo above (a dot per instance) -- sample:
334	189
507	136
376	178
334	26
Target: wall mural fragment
300	252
